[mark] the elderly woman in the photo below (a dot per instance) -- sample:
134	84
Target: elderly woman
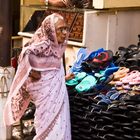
40	78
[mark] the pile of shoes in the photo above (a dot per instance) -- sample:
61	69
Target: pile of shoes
128	56
104	94
94	118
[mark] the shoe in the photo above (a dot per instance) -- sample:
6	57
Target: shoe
122	72
128	137
136	137
85	137
29	114
86	84
102	60
136	124
120	125
132	108
130	76
128	130
107	120
106	113
118	132
110	136
121	117
110	70
81	55
113	108
104	102
108	128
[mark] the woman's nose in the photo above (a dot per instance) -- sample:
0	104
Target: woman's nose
64	31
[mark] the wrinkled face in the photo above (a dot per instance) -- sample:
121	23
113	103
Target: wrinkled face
61	30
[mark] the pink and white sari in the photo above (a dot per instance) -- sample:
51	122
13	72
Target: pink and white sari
43	53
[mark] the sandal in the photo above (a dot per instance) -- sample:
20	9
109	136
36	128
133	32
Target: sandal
135	81
121	55
130	76
82	53
136	88
111	70
122	71
103	59
94	54
86	84
98	62
133	49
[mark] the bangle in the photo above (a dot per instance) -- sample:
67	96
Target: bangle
67	3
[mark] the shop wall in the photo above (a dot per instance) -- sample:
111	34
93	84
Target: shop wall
111	29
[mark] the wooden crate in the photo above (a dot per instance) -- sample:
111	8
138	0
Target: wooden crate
103	4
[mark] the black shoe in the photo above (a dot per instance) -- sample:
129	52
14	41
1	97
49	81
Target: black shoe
110	136
85	137
128	137
136	137
29	114
128	130
121	118
107	120
118	132
120	125
108	128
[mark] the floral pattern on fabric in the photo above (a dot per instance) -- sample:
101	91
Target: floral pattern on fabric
17	102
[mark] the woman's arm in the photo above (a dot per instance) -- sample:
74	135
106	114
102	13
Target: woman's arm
57	3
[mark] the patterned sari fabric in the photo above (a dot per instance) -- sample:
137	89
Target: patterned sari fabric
49	93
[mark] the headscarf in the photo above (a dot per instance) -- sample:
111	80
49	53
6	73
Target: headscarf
46	35
44	48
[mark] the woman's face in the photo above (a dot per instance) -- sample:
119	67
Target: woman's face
61	30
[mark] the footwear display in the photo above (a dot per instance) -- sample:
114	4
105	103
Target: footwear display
110	113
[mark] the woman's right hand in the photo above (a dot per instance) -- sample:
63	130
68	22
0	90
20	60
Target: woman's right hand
69	76
35	75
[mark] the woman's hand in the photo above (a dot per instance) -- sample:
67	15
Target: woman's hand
69	76
35	75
